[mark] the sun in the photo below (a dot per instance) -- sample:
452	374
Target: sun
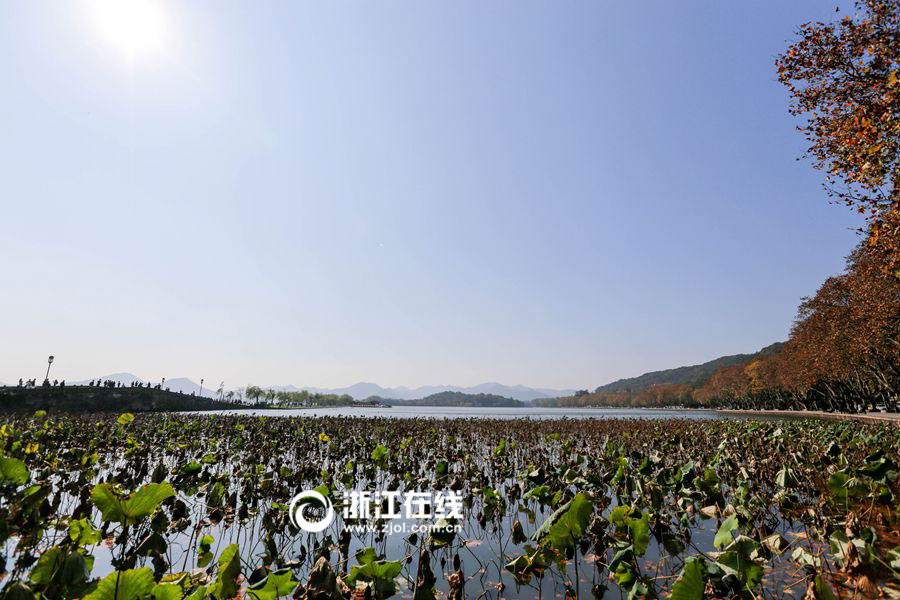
136	28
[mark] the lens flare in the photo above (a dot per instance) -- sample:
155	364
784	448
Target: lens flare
137	28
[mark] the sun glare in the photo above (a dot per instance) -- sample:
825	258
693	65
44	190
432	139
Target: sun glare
134	27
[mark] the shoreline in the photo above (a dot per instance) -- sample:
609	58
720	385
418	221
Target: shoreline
818	414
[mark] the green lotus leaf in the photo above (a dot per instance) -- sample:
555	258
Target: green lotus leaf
13	470
567	524
275	585
723	535
380	573
132	509
134	584
690	584
379	453
166	591
640	533
229	567
83	533
47	565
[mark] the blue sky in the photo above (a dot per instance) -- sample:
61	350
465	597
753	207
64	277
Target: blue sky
409	193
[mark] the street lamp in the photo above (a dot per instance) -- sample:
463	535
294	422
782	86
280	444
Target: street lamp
49	362
201	386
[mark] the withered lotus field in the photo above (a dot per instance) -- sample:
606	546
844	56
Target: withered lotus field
169	506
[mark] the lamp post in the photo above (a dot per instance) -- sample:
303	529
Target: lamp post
49	362
201	386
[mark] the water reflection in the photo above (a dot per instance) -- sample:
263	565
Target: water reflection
455	412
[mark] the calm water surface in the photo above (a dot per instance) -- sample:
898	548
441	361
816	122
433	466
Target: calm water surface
484	549
454	412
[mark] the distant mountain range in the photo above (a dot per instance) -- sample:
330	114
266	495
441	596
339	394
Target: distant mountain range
694	375
361	391
455	399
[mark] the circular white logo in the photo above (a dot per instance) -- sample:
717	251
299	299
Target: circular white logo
299	502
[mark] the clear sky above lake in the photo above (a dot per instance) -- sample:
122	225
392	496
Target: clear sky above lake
553	194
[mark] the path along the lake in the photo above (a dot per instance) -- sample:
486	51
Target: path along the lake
817	414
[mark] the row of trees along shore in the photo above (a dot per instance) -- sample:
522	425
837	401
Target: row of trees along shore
283	398
843	353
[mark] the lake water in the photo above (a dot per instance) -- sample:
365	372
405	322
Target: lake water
485	547
454	412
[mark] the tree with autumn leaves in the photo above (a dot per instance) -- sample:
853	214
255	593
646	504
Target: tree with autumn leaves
844	80
843	353
844	350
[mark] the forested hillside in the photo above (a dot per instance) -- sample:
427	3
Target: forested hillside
456	399
843	355
693	375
